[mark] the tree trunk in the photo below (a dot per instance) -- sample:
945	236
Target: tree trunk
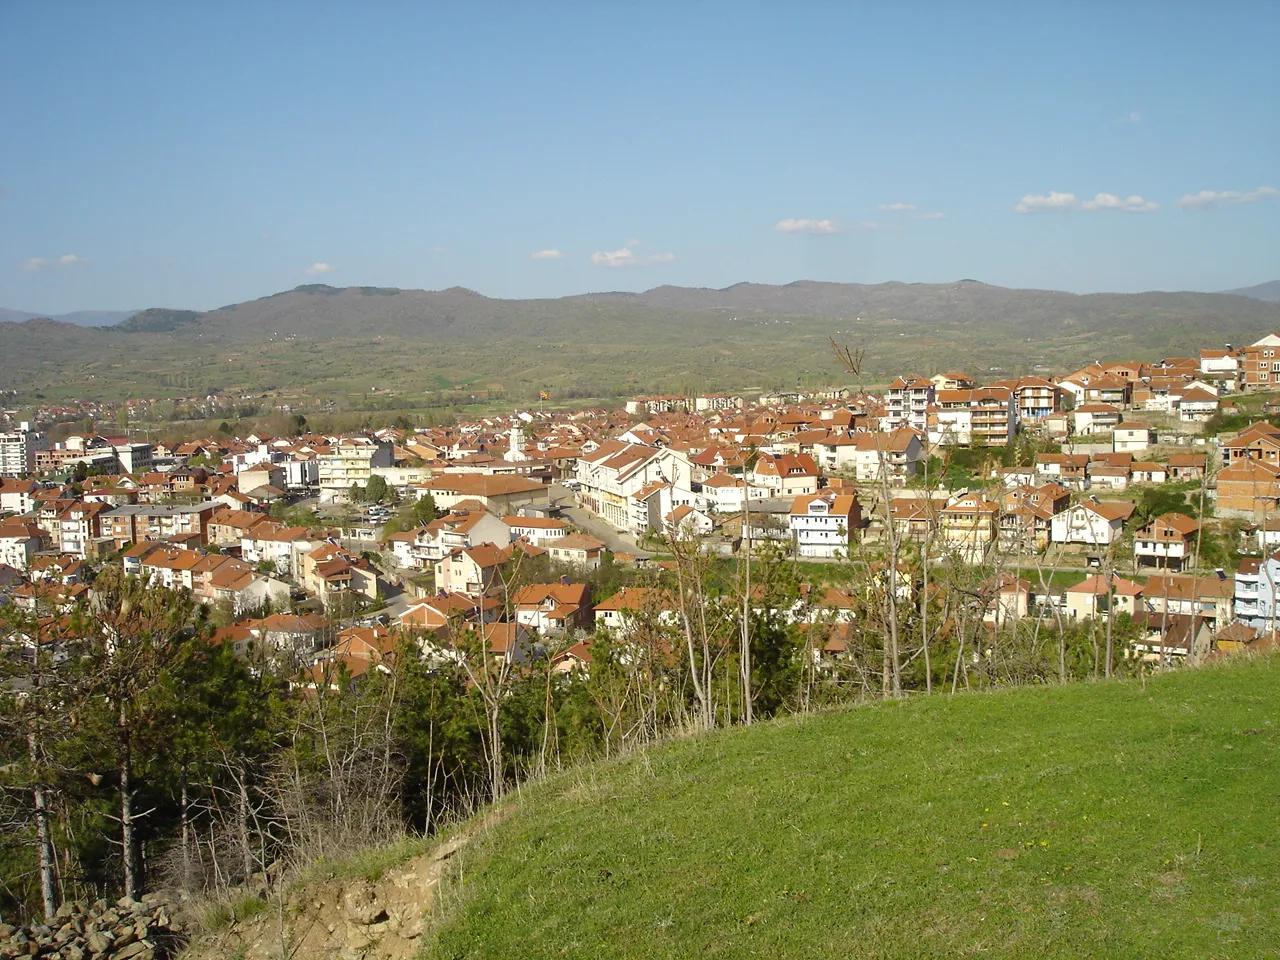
184	802
242	818
44	841
128	839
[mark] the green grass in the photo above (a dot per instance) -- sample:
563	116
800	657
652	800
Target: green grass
1101	820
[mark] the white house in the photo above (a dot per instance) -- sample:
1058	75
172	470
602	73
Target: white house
1091	522
1132	436
824	526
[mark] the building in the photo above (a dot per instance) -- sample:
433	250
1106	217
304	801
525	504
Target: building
1091	523
824	526
1260	364
18	450
554	609
350	463
907	403
1168	542
1132	436
1248	488
499	495
969	526
615	471
1097	594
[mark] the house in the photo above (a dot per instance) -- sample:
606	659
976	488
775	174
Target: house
1187	466
1167	639
475	571
1011	598
1210	598
1260	364
985	415
1026	514
688	521
824	526
17	496
632	606
1091	522
1096	594
537	530
1220	364
1248	488
20	541
1094	418
892	457
1144	471
499	494
611	474
1132	436
426	544
1196	405
968	526
1167	541
577	549
554	609
787	475
1068	470
1258	441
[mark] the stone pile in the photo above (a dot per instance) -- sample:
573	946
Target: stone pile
146	929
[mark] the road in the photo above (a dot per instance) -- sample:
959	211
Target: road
588	522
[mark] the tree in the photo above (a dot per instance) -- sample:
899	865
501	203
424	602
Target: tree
142	633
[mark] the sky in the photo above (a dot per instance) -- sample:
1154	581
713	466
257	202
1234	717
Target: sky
193	155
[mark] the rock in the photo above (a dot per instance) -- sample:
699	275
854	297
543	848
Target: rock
137	949
98	942
74	953
360	904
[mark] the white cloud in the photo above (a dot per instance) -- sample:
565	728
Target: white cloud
551	254
898	207
1134	117
438	250
1224	198
318	268
1055	201
868	225
626	257
1109	201
807	226
43	263
1041	203
932	216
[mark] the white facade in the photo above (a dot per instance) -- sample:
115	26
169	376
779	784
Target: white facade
18	450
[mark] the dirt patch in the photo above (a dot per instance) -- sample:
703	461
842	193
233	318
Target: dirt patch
347	918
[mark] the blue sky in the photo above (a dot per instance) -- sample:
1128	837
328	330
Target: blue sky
192	155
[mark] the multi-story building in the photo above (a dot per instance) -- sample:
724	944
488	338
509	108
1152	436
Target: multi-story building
18	450
350	462
824	526
983	415
907	403
1167	541
615	471
1260	366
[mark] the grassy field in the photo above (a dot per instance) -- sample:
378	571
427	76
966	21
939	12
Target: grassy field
1121	819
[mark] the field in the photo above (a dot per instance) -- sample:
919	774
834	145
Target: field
1122	819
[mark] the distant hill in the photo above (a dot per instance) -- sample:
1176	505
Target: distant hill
157	320
353	342
1263	291
319	310
81	318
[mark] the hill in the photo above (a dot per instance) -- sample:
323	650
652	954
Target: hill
81	318
415	345
1263	291
1122	819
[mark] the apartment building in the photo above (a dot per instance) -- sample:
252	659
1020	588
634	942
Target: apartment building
907	403
1260	365
350	462
824	526
18	450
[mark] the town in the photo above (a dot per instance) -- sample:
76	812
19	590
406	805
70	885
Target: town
1144	489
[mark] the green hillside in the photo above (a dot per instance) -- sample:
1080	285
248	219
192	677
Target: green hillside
1097	820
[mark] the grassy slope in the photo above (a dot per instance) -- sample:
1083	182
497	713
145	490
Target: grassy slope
1097	820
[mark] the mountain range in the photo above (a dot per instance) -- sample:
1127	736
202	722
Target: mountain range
333	341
